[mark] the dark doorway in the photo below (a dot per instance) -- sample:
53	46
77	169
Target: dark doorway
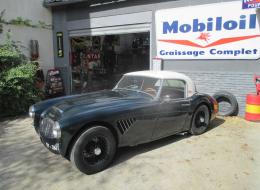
98	62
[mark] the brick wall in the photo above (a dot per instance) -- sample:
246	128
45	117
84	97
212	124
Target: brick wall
238	84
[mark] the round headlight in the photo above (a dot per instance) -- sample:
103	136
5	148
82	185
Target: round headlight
50	129
31	111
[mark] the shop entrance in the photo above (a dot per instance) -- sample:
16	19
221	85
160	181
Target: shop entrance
98	62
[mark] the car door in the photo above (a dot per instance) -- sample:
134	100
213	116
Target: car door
137	125
173	109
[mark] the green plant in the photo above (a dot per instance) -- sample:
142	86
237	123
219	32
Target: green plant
10	54
20	21
8	58
17	89
17	81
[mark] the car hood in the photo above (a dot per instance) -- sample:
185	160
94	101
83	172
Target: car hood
99	100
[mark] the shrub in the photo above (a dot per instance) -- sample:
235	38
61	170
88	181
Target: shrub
17	81
9	57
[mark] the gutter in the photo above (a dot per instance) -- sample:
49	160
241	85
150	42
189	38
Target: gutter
55	3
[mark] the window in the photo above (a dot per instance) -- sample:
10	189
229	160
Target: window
140	84
173	89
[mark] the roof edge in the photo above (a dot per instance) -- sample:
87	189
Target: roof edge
55	3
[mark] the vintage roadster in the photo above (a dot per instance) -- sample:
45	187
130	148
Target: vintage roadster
144	106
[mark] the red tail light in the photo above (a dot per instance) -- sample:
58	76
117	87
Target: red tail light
215	104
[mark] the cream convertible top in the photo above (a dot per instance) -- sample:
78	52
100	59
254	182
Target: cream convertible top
191	88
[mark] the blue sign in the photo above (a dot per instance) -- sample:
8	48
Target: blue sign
208	32
212	24
249	4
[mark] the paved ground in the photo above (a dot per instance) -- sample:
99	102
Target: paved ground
226	157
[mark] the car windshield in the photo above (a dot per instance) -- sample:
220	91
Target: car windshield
146	85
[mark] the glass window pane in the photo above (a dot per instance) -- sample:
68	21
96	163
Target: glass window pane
173	89
141	84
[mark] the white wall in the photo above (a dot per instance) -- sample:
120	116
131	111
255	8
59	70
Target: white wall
33	10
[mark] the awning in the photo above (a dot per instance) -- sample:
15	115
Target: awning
54	3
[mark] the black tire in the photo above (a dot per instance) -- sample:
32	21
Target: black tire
200	120
94	150
226	97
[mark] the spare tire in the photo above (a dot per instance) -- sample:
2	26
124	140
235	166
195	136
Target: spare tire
228	105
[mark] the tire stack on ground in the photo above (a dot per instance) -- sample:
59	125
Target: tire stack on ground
252	107
228	105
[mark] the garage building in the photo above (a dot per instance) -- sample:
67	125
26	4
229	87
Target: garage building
216	43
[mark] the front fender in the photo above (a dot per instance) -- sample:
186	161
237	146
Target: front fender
72	127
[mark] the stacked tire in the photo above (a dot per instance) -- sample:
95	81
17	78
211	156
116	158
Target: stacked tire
225	98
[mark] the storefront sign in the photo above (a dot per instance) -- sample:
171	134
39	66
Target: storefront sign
60	44
249	4
210	31
93	56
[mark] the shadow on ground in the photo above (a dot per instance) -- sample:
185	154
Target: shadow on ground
127	153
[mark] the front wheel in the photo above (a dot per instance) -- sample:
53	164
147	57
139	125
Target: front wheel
94	150
200	120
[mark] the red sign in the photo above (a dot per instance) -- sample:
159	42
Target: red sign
249	4
93	56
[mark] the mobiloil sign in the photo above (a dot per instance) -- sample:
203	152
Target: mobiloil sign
210	31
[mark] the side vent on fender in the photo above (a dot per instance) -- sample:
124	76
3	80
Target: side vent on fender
124	125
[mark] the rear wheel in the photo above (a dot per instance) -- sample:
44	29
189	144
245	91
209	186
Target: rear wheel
94	150
200	120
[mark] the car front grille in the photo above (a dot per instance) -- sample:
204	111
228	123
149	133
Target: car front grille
46	128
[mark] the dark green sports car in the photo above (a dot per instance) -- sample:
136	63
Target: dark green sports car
144	106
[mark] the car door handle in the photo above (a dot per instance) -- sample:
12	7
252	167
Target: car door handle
185	105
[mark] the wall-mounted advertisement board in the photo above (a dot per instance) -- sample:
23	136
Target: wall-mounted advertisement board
213	31
60	47
251	4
